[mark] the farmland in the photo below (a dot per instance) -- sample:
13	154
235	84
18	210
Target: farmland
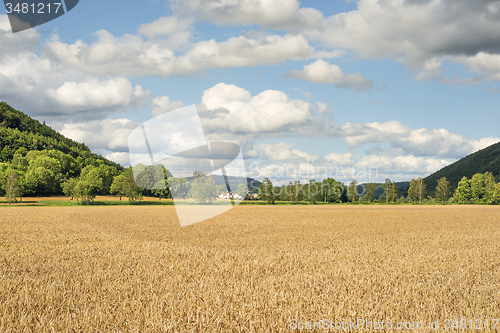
254	268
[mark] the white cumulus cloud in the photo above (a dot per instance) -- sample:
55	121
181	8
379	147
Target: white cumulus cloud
323	72
419	142
277	14
110	134
282	152
234	109
164	104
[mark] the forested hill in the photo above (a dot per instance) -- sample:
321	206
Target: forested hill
21	133
36	160
485	160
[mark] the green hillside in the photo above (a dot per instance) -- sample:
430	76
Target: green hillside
487	159
21	133
37	160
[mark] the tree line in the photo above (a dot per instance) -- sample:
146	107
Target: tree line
52	172
480	189
329	190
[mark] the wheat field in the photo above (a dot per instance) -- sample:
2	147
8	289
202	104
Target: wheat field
252	269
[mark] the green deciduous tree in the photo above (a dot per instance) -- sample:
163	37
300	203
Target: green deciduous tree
118	186
179	187
104	172
220	189
266	192
312	191
69	186
489	188
242	190
40	181
13	187
88	185
43	176
87	189
353	191
289	191
417	190
125	185
443	190
393	192
294	191
203	188
477	188
3	176
161	190
496	196
463	193
369	192
390	193
333	191
412	191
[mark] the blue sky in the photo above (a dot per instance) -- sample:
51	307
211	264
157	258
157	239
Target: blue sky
368	90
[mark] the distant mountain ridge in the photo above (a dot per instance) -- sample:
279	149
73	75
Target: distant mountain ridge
484	160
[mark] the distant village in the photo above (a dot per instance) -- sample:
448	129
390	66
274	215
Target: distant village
235	196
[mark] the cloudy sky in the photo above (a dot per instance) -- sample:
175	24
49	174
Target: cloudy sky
349	89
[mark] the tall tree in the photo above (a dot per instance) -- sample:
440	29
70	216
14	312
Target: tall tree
489	188
369	192
390	191
417	190
353	191
13	187
87	189
290	191
43	175
463	193
242	190
477	188
118	185
313	191
179	187
203	188
151	178
421	189
88	186
125	185
161	190
443	190
69	186
497	194
266	192
299	194
106	173
282	194
412	193
393	192
333	191
387	187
